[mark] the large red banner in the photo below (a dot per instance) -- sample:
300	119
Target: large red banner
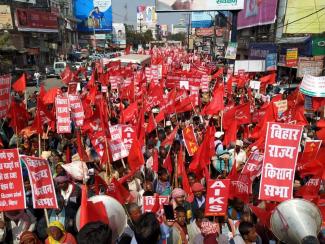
35	19
217	197
190	140
41	181
77	111
280	157
5	81
62	115
12	192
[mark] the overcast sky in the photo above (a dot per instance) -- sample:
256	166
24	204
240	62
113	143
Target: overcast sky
120	15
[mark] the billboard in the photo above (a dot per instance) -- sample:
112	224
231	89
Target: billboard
198	5
257	12
5	17
146	17
119	37
202	19
35	20
95	15
312	18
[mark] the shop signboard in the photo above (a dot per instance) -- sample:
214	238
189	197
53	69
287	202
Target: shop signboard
5	17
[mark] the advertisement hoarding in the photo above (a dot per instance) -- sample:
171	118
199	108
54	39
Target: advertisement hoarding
146	17
95	15
119	37
202	19
35	20
198	5
5	17
313	19
256	13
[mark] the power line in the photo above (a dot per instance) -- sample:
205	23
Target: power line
301	18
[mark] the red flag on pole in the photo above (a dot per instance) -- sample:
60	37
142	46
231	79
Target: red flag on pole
91	212
135	158
170	138
20	84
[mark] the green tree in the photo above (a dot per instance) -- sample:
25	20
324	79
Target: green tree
177	37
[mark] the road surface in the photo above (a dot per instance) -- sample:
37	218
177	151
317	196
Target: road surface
48	84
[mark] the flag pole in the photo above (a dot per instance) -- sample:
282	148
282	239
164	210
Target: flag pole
39	155
175	171
221	118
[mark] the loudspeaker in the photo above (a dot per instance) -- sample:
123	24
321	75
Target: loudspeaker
296	221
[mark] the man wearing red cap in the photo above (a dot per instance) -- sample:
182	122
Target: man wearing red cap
199	198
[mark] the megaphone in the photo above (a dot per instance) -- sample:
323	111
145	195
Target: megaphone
115	213
296	221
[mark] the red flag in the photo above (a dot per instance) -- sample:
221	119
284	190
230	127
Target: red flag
118	191
156	207
229	85
18	115
135	158
67	75
20	84
310	189
269	79
130	112
80	149
168	163
50	95
203	155
216	104
151	123
161	116
218	73
231	133
155	164
141	131
243	114
263	215
91	212
170	138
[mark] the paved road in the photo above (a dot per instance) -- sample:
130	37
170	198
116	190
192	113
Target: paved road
48	83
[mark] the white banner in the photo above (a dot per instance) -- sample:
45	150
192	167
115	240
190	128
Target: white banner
313	86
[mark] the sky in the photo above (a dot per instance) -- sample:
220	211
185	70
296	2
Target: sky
119	12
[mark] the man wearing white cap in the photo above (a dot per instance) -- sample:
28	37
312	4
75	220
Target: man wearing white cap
238	154
218	142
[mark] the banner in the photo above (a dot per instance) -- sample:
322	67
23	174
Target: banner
205	81
256	13
190	140
128	133
216	203
119	36
280	157
231	51
77	111
271	62
40	176
36	20
116	143
198	5
5	82
292	57
313	86
149	203
310	66
253	165
12	192
95	15
62	115
146	18
5	17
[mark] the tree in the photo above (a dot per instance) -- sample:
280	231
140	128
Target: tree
135	38
177	37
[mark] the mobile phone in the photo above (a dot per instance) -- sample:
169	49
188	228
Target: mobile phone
169	212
